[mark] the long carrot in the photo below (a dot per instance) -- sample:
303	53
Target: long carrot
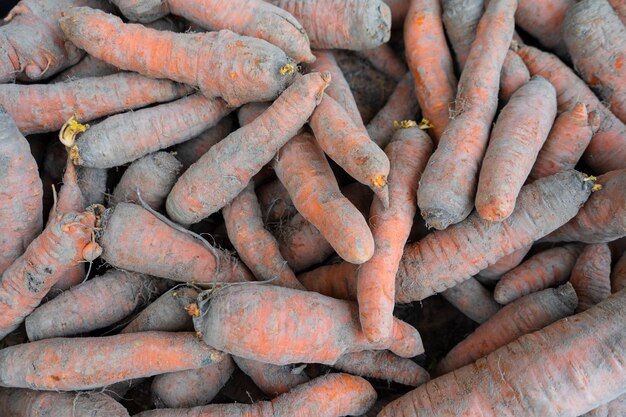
591	276
473	300
448	185
522	128
618	275
460	18
21	205
503	265
190	151
385	60
384	365
236	68
544	21
408	153
192	198
430	62
545	269
335	280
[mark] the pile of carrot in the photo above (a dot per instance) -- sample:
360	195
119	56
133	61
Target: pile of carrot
392	208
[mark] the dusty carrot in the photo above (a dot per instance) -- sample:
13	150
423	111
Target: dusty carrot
503	265
142	10
273	380
615	408
460	18
544	21
384	365
335	280
618	275
513	76
385	60
591	276
86	68
473	300
190	151
620	9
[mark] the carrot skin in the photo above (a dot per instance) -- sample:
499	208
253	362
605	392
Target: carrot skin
513	76
620	9
93	184
544	21
190	151
143	11
336	280
618	275
275	202
385	60
591	276
503	265
460	18
473	300
382	365
273	380
86	68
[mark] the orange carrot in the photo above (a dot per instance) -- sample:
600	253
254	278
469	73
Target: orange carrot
190	151
273	380
570	135
281	340
591	276
335	280
618	275
408	153
544	21
607	149
448	185
546	269
598	58
256	70
523	316
136	240
460	18
503	265
430	62
383	365
522	128
620	9
385	60
21	206
514	75
473	300
193	198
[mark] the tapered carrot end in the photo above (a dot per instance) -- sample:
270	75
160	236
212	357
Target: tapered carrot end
594	120
381	190
437	219
91	251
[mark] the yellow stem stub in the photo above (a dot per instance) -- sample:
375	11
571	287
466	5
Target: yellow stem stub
404	124
425	124
379	181
193	310
68	132
596	187
288	69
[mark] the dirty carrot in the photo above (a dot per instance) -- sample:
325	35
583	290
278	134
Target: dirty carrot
190	151
273	380
381	364
460	18
503	265
544	21
335	280
385	60
514	75
618	275
591	276
86	68
473	300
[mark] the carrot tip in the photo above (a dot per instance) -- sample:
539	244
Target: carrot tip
404	124
68	132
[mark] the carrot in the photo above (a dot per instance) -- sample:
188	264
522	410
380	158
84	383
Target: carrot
435	263
503	265
592	345
255	245
86	68
190	151
591	276
142	10
280	340
193	199
523	316
383	365
602	218
521	129
385	60
408	153
571	133
513	76
607	149
430	62
62	245
543	270
194	387
473	300
615	408
273	380
97	303
332	395
350	147
335	280
544	21
399	9
460	19
101	361
256	70
448	185
136	240
152	177
345	24
45	108
620	9
21	205
275	202
28	403
598	58
618	275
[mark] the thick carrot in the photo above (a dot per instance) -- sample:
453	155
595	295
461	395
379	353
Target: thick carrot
522	128
47	107
333	395
408	153
618	275
602	218
402	105
136	240
598	58
430	62
97	303
152	177
546	269
236	68
190	151
448	186
342	24
591	276
100	361
571	133
385	60
27	403
523	316
473	300
255	245
503	265
350	147
460	18
435	263
194	387
384	365
273	380
607	149
21	204
230	170
544	21
280	339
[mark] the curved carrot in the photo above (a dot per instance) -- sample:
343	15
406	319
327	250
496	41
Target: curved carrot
599	59
222	64
167	313
385	60
193	199
435	263
513	76
460	18
383	365
544	21
618	275
280	340
21	205
408	153
473	300
190	151
430	62
522	128
545	269
448	185
503	265
591	276
136	240
607	149
273	380
523	316
336	280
